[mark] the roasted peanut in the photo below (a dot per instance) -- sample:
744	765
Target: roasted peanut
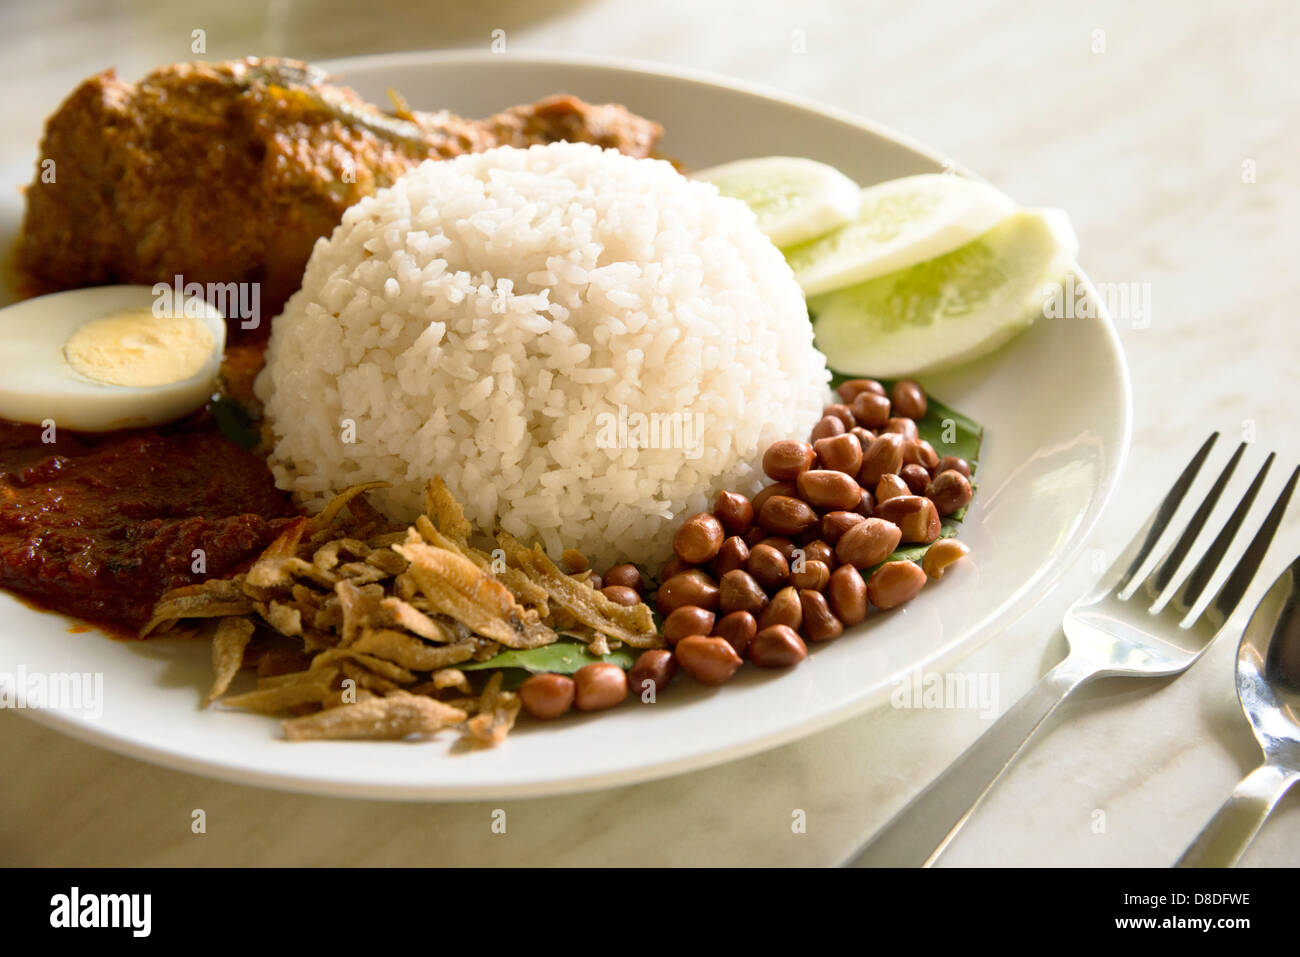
768	566
850	389
890	486
656	666
846	593
942	554
621	595
547	696
915	477
868	543
883	456
841	412
922	453
732	555
737	628
710	661
814	575
915	516
842	453
949	491
904	427
689	588
819	622
867	507
687	620
786	515
955	464
738	591
767	491
784	609
871	411
784	460
782	544
628	575
894	583
807	537
734	511
777	647
827	427
909	399
819	551
835	524
828	489
674	566
598	686
864	436
699	538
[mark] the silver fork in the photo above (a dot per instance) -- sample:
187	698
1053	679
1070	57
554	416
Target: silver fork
1109	634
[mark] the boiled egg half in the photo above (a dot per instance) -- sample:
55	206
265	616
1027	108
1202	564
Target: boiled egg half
112	357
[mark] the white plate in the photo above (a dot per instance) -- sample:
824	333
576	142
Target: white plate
1055	405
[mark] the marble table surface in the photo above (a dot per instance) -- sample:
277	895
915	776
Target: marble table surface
1168	132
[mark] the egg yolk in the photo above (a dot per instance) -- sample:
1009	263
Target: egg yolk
138	349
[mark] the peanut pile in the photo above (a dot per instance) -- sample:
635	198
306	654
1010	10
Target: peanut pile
759	579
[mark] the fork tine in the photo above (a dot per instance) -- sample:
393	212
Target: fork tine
1137	551
1163	573
1190	592
1228	597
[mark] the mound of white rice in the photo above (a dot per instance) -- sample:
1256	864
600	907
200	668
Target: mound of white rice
525	323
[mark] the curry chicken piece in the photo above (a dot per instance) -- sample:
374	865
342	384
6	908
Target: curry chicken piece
230	172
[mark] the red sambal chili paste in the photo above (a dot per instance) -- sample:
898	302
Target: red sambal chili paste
100	526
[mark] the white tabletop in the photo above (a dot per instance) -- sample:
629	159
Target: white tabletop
1170	137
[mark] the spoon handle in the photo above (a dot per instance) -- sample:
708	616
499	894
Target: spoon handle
1222	842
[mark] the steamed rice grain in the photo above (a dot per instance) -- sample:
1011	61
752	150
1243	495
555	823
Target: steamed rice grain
524	323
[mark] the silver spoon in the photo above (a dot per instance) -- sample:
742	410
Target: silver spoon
1268	686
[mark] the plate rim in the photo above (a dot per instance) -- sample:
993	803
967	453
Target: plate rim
1032	591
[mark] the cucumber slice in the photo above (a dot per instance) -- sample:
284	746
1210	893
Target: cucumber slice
902	222
794	199
951	309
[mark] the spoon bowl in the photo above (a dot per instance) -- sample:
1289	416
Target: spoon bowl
1268	668
1268	687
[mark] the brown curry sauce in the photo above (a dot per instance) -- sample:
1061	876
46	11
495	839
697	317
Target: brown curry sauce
99	526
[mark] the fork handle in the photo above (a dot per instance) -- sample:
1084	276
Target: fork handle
1222	842
918	834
